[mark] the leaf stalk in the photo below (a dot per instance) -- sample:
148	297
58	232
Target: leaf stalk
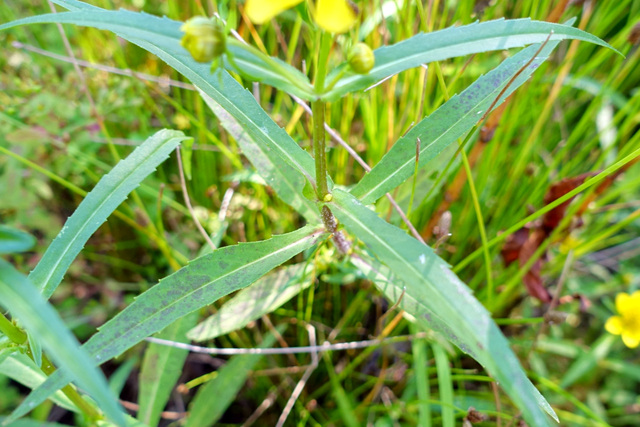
12	332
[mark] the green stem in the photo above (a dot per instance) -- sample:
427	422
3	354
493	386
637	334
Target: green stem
319	153
16	335
481	228
321	64
317	109
12	331
73	395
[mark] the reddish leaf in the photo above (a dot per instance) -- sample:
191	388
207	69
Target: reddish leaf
512	246
532	280
552	219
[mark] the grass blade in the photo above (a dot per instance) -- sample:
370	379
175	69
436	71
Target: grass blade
588	360
23	300
161	369
342	399
213	398
108	194
436	296
200	283
26	422
420	363
445	386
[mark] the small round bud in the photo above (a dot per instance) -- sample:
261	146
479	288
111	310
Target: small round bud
361	58
328	197
204	39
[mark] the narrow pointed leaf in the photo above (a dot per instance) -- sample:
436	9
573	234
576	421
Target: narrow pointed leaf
445	385
434	293
198	284
448	123
108	194
22	299
453	42
13	240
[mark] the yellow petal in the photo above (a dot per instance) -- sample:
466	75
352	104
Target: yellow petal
614	325
260	11
630	341
335	16
627	304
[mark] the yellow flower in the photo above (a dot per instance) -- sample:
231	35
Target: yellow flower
335	16
627	323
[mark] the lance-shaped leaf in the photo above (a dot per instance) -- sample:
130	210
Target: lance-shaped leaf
436	295
285	180
23	300
200	283
13	240
107	195
448	123
450	43
161	36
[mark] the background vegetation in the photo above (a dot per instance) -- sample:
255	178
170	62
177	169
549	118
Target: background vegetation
577	115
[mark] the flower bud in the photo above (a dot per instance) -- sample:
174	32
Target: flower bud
204	39
361	58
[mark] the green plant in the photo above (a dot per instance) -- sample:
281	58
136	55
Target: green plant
406	271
